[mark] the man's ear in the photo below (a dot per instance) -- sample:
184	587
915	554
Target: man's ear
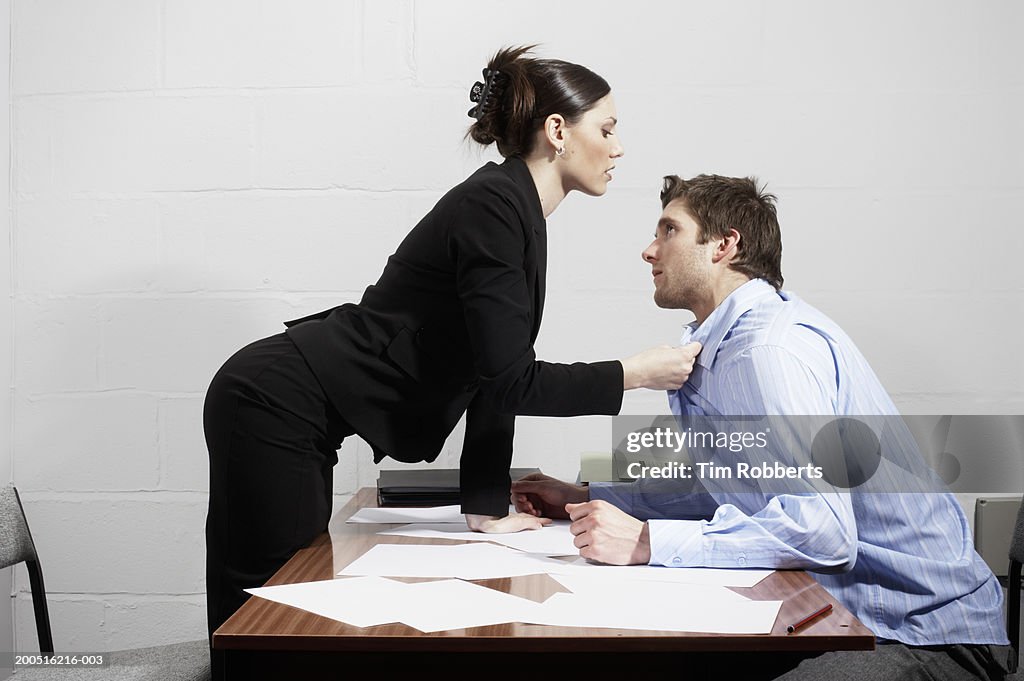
728	247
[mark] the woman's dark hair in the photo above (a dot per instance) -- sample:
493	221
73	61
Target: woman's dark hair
524	92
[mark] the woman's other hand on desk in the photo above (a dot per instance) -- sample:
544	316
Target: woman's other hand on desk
662	368
513	522
543	496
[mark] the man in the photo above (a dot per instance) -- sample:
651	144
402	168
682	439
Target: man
904	564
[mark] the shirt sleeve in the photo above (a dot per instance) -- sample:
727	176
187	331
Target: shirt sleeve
490	247
815	530
648	499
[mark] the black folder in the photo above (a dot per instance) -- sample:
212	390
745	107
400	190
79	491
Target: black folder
425	486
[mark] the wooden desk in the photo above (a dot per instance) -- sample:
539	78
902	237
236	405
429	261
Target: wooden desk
269	640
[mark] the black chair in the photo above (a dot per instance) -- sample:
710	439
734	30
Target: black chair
189	661
1013	596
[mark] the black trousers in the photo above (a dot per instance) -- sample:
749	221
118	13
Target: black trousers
273	440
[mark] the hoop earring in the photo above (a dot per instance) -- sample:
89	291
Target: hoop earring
560	152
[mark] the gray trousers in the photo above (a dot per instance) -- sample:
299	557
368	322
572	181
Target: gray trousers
906	663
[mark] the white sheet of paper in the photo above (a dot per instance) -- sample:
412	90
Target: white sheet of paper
479	560
653	573
425	514
454	604
359	601
667	614
435	514
696	595
552	540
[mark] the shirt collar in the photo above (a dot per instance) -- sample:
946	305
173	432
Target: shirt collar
723	318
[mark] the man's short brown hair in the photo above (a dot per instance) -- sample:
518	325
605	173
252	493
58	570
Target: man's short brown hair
719	204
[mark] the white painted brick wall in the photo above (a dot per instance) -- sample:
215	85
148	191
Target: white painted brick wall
121	622
244	241
100	45
237	43
86	441
187	174
145	545
136	142
6	327
120	235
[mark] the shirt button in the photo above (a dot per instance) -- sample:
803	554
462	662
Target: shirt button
677	561
741	561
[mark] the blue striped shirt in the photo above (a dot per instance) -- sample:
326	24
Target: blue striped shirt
904	564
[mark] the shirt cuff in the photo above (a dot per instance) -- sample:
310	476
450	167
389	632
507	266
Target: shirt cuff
676	543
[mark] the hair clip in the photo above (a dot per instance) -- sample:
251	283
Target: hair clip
483	93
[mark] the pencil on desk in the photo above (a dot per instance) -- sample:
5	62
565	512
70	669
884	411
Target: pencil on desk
820	611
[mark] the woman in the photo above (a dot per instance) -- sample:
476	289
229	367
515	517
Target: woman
448	329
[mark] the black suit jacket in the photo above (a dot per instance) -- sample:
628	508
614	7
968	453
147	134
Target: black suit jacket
450	326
